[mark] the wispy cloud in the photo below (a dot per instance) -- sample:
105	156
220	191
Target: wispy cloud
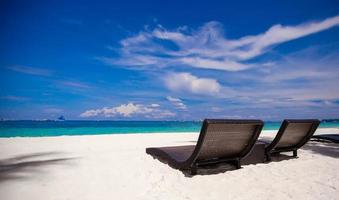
189	83
301	76
75	84
177	102
14	98
30	70
207	47
48	73
154	105
129	110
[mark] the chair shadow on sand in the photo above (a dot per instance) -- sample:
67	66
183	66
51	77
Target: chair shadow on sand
26	166
323	148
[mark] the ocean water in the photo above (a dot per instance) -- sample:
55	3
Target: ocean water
58	128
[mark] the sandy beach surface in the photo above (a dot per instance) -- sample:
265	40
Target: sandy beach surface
117	167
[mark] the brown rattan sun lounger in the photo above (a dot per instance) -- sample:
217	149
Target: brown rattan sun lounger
219	141
326	138
292	135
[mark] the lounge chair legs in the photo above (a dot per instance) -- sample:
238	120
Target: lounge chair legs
237	164
194	170
295	154
268	157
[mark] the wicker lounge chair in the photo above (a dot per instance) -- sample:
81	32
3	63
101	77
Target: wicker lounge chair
219	141
292	135
326	138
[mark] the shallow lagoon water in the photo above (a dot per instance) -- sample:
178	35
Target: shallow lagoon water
57	128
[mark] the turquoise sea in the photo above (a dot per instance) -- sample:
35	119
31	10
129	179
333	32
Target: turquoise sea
57	128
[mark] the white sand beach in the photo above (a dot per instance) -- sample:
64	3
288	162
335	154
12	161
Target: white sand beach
117	167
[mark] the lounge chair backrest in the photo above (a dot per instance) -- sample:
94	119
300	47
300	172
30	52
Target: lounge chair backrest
294	133
227	138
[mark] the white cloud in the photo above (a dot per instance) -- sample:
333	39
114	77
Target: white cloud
173	99
129	110
125	110
91	113
207	47
288	81
205	63
177	102
279	34
188	82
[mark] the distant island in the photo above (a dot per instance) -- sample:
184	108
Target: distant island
61	118
330	120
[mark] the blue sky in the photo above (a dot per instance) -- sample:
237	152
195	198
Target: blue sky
152	60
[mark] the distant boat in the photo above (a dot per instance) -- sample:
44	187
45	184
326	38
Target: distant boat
61	118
